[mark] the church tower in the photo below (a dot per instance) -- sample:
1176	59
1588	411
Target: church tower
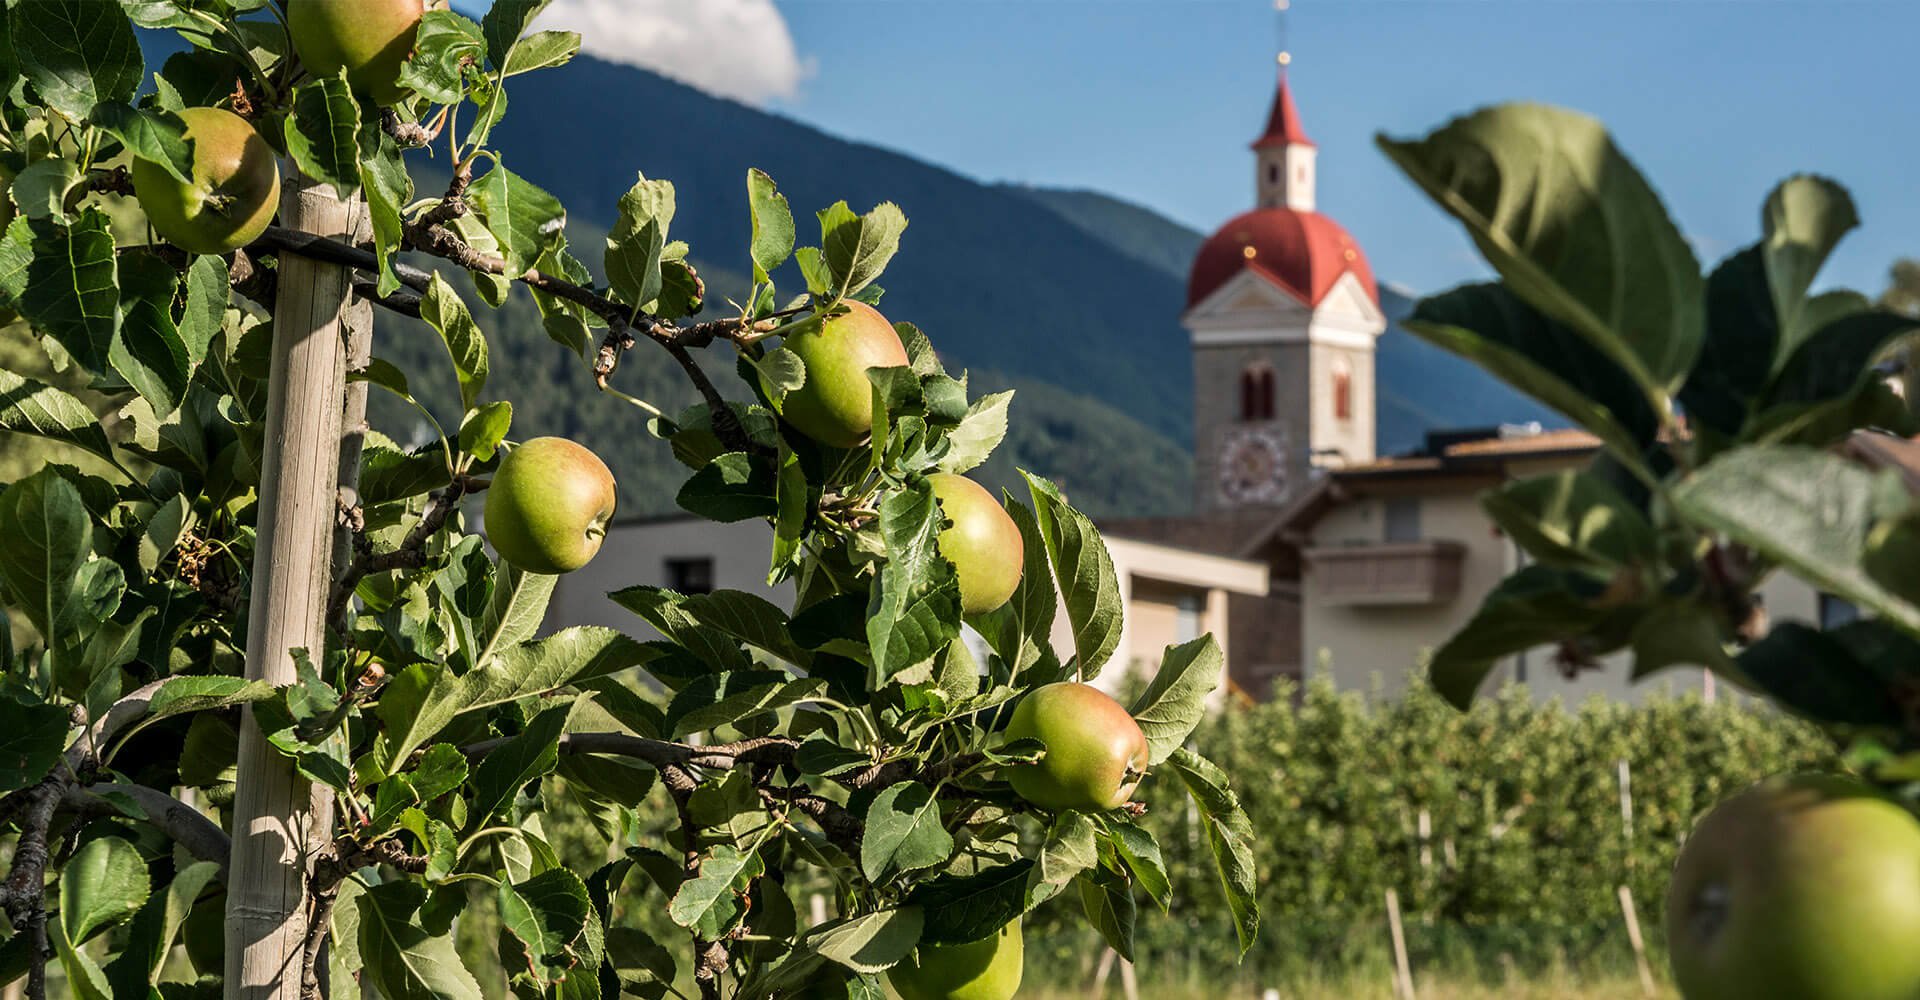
1282	312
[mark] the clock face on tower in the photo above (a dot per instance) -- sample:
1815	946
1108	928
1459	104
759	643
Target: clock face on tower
1253	465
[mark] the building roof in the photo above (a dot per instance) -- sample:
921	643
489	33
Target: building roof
1283	122
1302	253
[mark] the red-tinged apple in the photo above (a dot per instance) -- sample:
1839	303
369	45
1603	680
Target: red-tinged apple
835	405
370	39
1096	754
232	189
982	542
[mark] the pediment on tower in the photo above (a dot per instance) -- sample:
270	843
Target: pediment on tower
1249	301
1348	306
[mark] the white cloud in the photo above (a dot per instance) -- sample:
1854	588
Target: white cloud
735	48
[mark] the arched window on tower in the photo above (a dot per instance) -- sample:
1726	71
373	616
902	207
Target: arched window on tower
1342	389
1256	392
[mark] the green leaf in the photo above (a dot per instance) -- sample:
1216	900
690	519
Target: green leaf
1804	508
466	344
398	957
1805	217
635	242
1573	519
978	434
1573	228
323	133
146	349
1492	327
515	609
1176	701
181	695
1108	902
723	872
104	884
525	219
72	293
445	45
904	833
963	908
750	618
1737	356
157	136
1533	607
45	536
150	937
542	50
76	53
484	428
1070	848
1817	675
388	188
719	699
419	701
504	23
83	973
870	942
731	488
793	496
206	306
546	912
674	615
1230	836
1081	564
813	268
530	754
1837	359
42	188
30	407
856	251
773	233
914	610
31	739
1136	846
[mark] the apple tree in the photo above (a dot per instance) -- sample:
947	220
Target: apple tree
259	669
1740	413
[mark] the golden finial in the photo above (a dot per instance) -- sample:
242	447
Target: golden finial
1280	25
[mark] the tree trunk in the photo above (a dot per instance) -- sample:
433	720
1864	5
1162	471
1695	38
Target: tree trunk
279	822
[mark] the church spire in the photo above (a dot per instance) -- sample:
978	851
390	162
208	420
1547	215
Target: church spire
1283	122
1285	156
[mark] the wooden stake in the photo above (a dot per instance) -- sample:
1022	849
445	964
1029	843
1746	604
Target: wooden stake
1639	946
280	823
1403	978
1100	974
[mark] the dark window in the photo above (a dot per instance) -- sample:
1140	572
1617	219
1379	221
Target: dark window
1342	393
1256	393
1403	519
1837	611
690	576
1273	173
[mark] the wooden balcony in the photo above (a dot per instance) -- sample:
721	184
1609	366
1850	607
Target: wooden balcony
1426	572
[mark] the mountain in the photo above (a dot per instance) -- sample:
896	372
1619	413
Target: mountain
1135	230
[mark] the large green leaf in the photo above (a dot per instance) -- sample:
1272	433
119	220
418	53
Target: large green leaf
1229	834
856	249
150	937
914	611
76	53
31	738
503	25
1818	675
1804	508
546	912
526	220
720	699
466	343
530	754
635	242
180	695
152	134
147	349
1803	220
446	47
398	957
979	432
30	407
723	874
1495	329
1136	846
1021	630
1574	229
1107	900
732	487
103	884
869	942
1533	607
72	293
1737	356
904	833
773	232
1088	585
323	133
1176	700
962	908
1572	519
45	536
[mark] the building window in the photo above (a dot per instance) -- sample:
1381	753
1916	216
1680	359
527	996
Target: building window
1273	173
1186	617
1342	389
1403	519
690	576
1837	611
1256	393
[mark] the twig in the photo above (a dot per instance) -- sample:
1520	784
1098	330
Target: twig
184	825
26	885
412	552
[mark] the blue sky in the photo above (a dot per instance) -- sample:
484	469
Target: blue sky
1155	100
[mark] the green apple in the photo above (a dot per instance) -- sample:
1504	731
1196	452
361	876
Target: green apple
1096	753
232	193
1805	888
835	406
548	506
982	542
370	39
987	969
